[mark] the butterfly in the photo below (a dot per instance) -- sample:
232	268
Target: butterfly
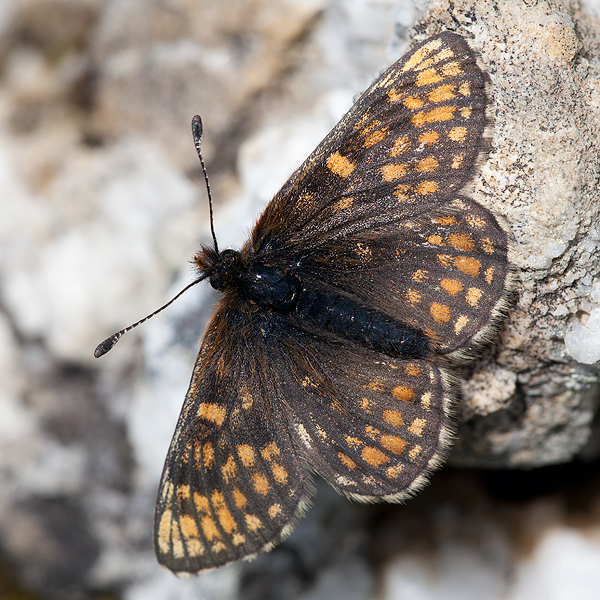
363	278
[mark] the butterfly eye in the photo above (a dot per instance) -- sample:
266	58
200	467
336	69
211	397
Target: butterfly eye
229	256
225	272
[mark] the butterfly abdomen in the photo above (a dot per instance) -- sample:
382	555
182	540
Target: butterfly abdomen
342	315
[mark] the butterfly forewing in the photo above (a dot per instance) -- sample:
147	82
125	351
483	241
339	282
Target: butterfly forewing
408	145
232	482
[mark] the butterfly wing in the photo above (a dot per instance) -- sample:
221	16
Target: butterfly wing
372	425
444	272
374	210
232	483
267	401
407	146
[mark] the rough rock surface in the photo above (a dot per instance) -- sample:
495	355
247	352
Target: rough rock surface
542	177
102	205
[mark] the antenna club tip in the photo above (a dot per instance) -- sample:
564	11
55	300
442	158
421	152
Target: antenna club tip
105	346
197	126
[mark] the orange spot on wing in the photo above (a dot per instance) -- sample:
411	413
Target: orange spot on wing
391	171
401	145
393	443
164	532
375	137
443	93
393	417
457	161
209	528
353	442
429	137
444	259
426	400
413	370
427	165
460	324
176	543
439	312
401	192
246	398
239	498
229	469
458	134
183	492
465	89
261	485
452	69
452	286
461	241
444	221
422	54
403	393
469	266
279	473
373	456
395	471
416	427
487	245
225	517
436	115
215	413
270	450
344	203
246	454
347	460
365	404
253	523
208	455
428	77
413	296
372	432
427	187
340	165
473	296
414	452
412	102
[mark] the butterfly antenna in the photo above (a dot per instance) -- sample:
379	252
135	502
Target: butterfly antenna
197	133
108	343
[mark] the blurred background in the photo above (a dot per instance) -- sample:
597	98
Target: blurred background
102	205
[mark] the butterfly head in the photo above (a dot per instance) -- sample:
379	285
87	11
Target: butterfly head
221	268
259	284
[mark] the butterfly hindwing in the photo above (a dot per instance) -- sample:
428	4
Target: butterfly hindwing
371	425
443	272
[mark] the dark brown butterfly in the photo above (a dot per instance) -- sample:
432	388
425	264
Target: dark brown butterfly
362	276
